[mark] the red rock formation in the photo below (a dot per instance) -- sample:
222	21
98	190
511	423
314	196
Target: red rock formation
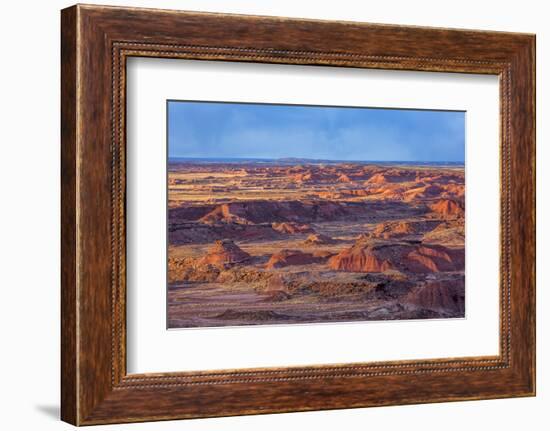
290	257
448	208
224	252
442	296
417	258
360	258
377	179
343	178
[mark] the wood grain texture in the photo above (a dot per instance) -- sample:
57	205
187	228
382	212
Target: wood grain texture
96	41
69	367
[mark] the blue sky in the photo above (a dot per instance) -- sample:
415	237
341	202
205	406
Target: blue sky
238	130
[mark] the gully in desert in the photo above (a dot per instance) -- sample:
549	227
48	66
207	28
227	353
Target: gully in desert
281	214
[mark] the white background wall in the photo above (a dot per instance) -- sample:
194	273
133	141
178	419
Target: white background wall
29	214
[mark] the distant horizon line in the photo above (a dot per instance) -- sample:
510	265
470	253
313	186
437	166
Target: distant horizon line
307	159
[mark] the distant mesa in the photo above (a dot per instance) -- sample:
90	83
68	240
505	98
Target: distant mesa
441	296
292	228
291	257
365	256
448	208
224	252
319	239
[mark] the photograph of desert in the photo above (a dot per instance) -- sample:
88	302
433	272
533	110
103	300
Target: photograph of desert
313	214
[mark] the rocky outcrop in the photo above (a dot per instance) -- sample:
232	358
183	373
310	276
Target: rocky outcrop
378	179
360	258
343	178
224	252
365	256
185	269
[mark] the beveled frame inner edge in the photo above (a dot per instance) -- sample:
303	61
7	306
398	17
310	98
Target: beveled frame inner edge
124	49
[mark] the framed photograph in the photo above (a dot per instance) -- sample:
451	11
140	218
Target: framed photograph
264	215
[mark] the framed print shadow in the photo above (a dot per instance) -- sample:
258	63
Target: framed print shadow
323	214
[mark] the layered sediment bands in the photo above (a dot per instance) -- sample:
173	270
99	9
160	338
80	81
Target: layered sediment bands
380	257
224	252
360	259
298	211
270	220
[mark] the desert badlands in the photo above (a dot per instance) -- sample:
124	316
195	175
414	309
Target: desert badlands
302	241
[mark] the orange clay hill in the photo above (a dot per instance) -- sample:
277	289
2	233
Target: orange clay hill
299	241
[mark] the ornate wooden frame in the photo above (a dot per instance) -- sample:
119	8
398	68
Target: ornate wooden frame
96	41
